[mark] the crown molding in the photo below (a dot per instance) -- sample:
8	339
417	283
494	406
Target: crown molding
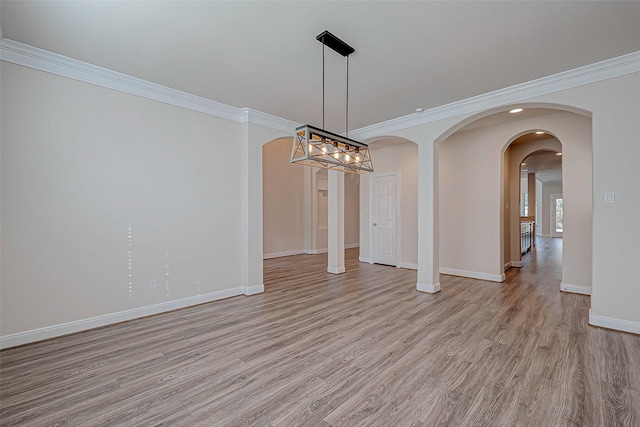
607	69
40	59
267	120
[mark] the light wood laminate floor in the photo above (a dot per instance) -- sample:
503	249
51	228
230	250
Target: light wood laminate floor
361	348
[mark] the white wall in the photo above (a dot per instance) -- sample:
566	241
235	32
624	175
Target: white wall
283	193
352	210
470	232
402	158
88	170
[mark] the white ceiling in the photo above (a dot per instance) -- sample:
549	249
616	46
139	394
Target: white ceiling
264	55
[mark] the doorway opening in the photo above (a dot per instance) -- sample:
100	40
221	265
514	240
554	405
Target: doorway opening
557	215
479	195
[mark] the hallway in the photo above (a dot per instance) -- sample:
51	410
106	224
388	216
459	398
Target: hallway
360	348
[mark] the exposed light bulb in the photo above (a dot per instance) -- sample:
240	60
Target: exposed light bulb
336	154
346	158
324	148
357	158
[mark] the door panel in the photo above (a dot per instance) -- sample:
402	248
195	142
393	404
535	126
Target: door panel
384	219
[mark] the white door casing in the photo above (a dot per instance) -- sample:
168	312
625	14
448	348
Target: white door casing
384	224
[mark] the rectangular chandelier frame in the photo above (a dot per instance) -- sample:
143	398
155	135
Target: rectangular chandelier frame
317	147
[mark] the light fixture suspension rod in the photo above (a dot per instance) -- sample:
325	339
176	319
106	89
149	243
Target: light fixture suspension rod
347	109
323	46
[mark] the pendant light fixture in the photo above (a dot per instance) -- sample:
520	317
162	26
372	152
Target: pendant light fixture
317	147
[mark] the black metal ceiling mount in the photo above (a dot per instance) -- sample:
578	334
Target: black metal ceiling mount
329	40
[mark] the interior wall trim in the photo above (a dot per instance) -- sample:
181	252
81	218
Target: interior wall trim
603	70
431	289
21	338
325	250
613	323
408	265
43	60
283	254
252	290
473	274
575	289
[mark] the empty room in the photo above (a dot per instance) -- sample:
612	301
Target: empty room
322	213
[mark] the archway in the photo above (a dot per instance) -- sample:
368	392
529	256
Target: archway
528	145
473	154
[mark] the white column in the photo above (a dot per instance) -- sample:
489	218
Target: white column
252	215
428	233
336	222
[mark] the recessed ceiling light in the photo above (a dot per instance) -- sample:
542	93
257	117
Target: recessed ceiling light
540	132
516	110
558	154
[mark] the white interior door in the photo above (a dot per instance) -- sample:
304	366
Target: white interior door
383	217
557	211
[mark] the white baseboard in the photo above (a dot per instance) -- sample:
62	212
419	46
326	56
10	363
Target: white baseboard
473	274
336	270
325	250
281	254
575	289
432	289
545	235
613	323
20	338
316	251
252	290
517	264
363	259
508	265
408	265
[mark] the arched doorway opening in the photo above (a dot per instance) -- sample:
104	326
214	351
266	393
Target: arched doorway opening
531	158
475	197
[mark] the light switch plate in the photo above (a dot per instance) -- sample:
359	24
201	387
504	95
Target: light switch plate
610	197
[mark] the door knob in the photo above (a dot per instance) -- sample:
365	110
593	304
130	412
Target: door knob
374	224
